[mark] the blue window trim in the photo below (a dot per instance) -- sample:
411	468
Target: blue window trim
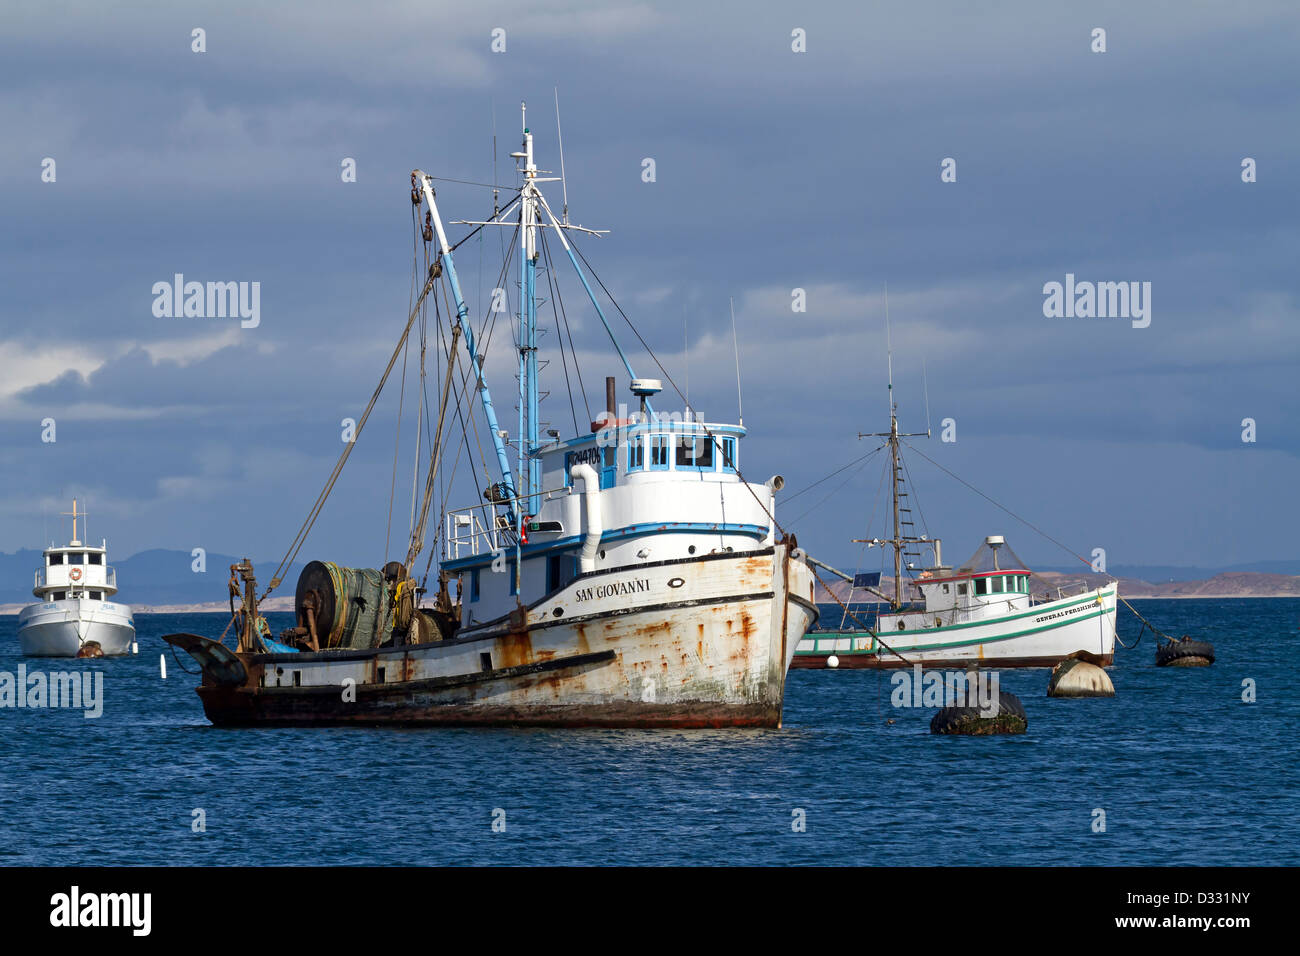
637	443
532	551
729	454
663	441
695	439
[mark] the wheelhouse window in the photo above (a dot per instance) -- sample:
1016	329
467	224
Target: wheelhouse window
60	595
997	584
636	453
658	451
729	454
695	451
981	586
76	557
961	588
56	558
95	558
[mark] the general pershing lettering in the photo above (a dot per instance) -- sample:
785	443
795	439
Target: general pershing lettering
635	586
74	908
215	300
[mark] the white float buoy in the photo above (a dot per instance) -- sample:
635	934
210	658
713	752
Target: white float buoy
832	661
135	648
162	665
1075	677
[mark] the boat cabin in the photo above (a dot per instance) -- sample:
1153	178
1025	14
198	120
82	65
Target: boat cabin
647	488
991	583
75	570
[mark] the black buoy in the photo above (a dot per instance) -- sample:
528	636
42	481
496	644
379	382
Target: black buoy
969	721
1185	652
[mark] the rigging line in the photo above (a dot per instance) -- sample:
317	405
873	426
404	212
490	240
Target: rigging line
397	441
397	438
435	457
301	537
880	487
468	182
649	351
908	475
487	475
858	620
493	221
790	498
550	282
834	491
996	504
577	367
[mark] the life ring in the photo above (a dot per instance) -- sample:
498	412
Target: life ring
75	574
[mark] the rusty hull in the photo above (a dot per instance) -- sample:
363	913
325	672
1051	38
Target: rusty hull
706	644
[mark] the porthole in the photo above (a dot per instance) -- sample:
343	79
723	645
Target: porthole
558	612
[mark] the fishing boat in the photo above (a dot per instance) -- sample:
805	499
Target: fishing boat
987	612
626	575
74	616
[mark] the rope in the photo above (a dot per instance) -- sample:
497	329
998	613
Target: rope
301	538
649	351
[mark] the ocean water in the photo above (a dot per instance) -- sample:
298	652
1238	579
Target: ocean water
1185	772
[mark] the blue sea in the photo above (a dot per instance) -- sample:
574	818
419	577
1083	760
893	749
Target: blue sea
1185	772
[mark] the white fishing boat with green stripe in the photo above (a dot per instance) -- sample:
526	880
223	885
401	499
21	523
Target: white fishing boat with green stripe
989	612
983	614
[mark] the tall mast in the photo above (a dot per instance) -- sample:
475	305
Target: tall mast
895	466
530	468
898	535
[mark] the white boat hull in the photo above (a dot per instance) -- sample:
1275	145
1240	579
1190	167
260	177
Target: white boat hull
1041	636
64	628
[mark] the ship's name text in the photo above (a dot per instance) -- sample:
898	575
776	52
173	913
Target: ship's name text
635	586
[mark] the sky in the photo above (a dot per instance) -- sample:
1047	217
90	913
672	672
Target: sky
775	171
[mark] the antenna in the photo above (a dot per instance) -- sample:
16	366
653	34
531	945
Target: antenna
559	135
889	349
926	383
495	206
735	344
686	355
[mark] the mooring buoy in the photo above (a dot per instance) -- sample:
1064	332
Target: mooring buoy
832	661
1185	652
1009	719
1077	676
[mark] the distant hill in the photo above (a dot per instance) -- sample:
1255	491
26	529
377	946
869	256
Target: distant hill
1221	585
155	577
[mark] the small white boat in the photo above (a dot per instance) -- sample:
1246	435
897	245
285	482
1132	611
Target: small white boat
75	616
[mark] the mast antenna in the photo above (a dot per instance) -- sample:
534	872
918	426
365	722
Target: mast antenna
564	183
735	344
889	350
926	384
686	355
495	205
